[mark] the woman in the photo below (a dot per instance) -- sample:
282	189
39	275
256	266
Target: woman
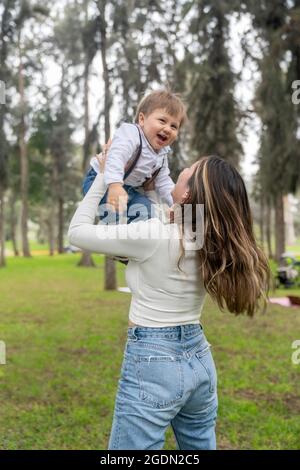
168	374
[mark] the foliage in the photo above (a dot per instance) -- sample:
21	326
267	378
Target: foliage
60	381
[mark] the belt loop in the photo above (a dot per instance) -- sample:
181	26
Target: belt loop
182	332
133	333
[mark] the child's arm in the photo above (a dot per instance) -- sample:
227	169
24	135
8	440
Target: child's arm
136	241
164	185
117	197
124	144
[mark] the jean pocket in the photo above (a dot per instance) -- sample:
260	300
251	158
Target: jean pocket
160	378
207	363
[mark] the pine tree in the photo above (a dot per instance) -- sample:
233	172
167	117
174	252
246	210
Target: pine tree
27	11
273	104
214	114
5	37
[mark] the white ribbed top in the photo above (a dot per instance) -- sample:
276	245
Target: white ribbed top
161	294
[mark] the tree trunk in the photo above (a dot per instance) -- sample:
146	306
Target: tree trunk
290	236
51	237
59	202
60	237
23	161
2	230
86	260
262	219
279	227
50	221
86	146
13	224
51	242
110	268
5	43
268	229
110	274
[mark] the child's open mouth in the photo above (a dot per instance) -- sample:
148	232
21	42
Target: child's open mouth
162	138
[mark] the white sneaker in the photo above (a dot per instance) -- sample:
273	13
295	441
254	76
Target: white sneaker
124	289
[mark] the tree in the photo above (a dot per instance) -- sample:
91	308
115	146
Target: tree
279	152
5	37
141	63
13	194
42	176
213	110
27	11
66	43
89	48
110	270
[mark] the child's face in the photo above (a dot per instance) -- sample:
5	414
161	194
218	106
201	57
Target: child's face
160	128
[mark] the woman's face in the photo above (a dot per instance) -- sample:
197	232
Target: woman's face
181	189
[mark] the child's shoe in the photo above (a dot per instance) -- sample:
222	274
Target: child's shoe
122	259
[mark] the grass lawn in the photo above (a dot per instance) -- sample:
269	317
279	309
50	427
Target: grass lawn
64	344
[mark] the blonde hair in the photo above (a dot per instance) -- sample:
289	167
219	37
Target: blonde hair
234	269
165	99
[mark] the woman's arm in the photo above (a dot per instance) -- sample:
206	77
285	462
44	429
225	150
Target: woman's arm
136	241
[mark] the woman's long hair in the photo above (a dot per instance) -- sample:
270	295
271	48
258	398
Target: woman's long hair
235	271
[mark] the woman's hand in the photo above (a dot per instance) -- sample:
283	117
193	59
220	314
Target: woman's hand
101	157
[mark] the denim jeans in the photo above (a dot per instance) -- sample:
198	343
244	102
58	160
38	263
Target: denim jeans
168	377
138	205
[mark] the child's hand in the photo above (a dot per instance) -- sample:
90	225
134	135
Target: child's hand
117	197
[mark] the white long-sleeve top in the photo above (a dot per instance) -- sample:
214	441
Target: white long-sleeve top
124	144
162	295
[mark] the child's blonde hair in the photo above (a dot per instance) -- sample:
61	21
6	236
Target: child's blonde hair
164	99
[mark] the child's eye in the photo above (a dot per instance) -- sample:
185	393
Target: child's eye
174	127
161	120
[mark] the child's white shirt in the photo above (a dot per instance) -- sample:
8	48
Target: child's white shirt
125	143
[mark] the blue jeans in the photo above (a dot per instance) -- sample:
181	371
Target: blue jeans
168	377
138	205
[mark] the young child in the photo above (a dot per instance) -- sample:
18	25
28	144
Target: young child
138	155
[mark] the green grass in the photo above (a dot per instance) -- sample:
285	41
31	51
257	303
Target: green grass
294	248
65	337
33	246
